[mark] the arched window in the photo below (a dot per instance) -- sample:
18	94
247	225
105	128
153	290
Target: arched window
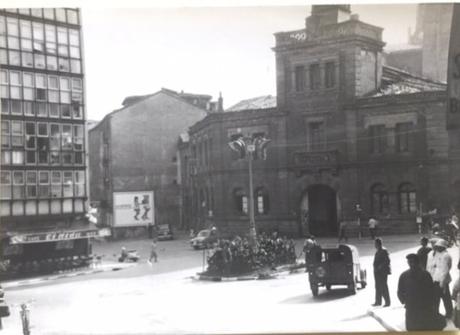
407	198
379	199
262	201
240	200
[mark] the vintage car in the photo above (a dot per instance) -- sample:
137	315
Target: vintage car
165	232
204	239
335	266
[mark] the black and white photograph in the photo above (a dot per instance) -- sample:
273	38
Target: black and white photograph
224	167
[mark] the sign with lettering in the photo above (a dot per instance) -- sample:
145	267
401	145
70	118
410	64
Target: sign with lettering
453	72
131	209
57	236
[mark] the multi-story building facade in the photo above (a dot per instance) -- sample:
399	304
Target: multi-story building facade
133	152
43	135
345	130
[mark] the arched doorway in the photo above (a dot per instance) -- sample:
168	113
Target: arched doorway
320	202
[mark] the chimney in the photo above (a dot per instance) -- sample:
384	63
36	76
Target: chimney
220	103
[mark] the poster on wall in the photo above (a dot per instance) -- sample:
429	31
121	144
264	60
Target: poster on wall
132	209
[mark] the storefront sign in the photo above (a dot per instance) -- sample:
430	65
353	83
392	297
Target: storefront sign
131	209
453	72
57	236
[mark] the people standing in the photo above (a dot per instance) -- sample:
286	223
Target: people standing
439	263
423	252
343	231
416	292
153	251
456	298
359	213
373	227
381	271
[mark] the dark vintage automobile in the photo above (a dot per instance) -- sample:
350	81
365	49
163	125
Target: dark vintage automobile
165	232
335	266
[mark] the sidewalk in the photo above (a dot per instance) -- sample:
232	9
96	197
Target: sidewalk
104	267
393	318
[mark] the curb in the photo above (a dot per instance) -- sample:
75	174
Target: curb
283	270
384	323
34	281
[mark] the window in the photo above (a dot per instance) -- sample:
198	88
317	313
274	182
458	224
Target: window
3	56
31	157
48	13
407	198
5	134
317	136
67	158
18	185
36	12
55	157
17	157
262	201
31	140
53	110
64	64
31	188
39	61
75	66
55	137
79	183
5	106
29	108
68	184
16	83
315	77
5	185
40	109
66	137
6	157
60	14
330	75
50	33
16	107
65	91
403	135
13	27
38	33
56	184
17	134
377	139
78	137
78	158
28	90
241	201
44	187
299	78
51	62
72	16
379	199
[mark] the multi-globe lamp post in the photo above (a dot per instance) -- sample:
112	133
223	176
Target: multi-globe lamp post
251	148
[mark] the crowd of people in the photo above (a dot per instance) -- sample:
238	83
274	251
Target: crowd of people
238	255
423	286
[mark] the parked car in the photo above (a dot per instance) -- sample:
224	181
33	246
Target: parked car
204	239
335	266
165	232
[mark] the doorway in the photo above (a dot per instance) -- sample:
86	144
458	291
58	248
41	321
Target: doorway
320	202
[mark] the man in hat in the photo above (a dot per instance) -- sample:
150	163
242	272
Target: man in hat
438	265
423	252
381	272
416	292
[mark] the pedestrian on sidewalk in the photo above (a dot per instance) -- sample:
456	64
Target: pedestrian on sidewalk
153	251
381	271
456	298
423	252
373	223
416	293
439	263
343	231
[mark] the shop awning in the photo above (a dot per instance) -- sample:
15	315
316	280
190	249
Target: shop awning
57	235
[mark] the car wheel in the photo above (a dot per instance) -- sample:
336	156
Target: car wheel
363	284
352	288
314	289
328	287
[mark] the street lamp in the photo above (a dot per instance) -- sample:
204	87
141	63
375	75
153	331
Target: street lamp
250	148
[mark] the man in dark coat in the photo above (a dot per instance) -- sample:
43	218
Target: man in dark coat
416	291
381	272
423	252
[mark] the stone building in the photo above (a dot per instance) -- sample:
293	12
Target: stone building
345	130
133	149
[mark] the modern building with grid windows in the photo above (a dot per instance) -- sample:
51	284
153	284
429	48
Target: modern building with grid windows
43	195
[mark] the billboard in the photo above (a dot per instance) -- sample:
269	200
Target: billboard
453	72
132	209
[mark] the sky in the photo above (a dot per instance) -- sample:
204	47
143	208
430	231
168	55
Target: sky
205	50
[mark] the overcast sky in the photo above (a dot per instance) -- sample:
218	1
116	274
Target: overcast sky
199	50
